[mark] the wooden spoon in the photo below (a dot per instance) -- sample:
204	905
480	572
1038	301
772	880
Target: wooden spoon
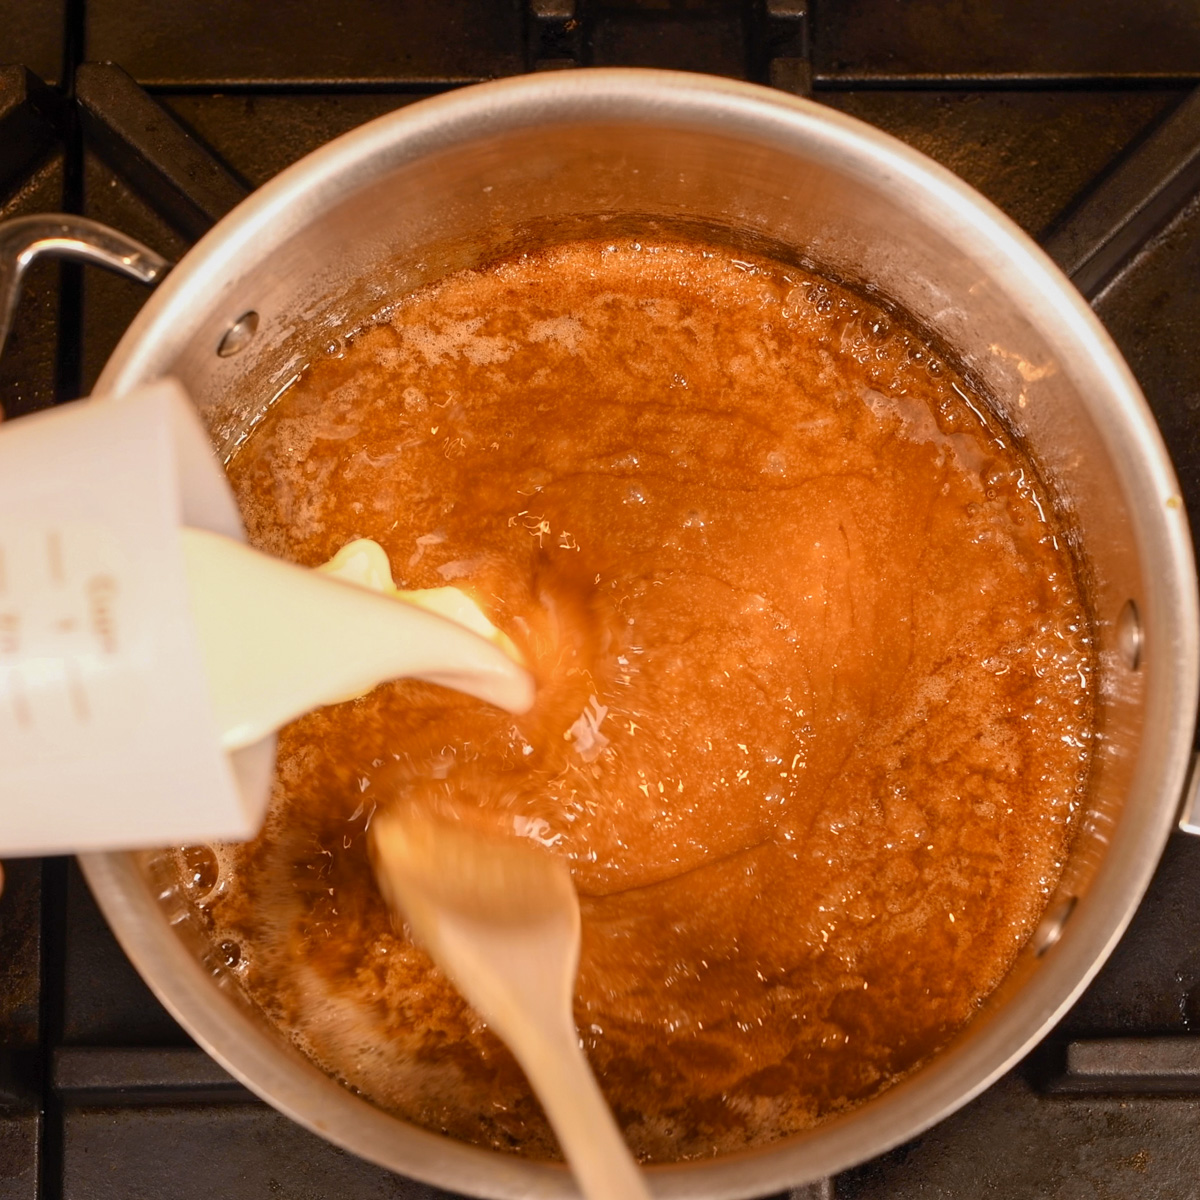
501	918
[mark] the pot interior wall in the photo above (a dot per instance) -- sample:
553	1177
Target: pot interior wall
433	210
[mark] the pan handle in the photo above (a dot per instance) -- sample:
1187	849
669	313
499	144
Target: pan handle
64	235
23	240
1189	811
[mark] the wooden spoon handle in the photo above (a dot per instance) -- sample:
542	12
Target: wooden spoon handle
593	1146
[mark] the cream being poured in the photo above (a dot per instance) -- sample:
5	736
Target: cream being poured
279	640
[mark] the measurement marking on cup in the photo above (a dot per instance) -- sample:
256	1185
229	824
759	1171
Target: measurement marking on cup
79	697
55	557
20	705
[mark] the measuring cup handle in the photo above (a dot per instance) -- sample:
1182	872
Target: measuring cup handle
64	235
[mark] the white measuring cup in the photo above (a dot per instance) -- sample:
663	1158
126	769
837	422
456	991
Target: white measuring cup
147	655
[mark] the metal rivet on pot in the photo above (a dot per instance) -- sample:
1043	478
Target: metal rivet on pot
1051	927
237	336
1129	635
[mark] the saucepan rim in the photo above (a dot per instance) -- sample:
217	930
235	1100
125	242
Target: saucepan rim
315	185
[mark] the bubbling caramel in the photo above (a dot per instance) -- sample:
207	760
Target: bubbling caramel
815	696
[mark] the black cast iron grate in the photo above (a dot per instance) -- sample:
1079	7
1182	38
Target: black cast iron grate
1077	117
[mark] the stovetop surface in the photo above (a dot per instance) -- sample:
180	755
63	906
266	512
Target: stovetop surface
1075	116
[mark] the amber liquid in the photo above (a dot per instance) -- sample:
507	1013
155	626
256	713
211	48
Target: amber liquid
815	688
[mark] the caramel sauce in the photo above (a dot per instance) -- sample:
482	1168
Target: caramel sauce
815	688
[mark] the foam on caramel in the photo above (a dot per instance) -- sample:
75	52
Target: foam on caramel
816	688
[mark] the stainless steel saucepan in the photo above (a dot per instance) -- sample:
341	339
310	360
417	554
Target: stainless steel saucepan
455	180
